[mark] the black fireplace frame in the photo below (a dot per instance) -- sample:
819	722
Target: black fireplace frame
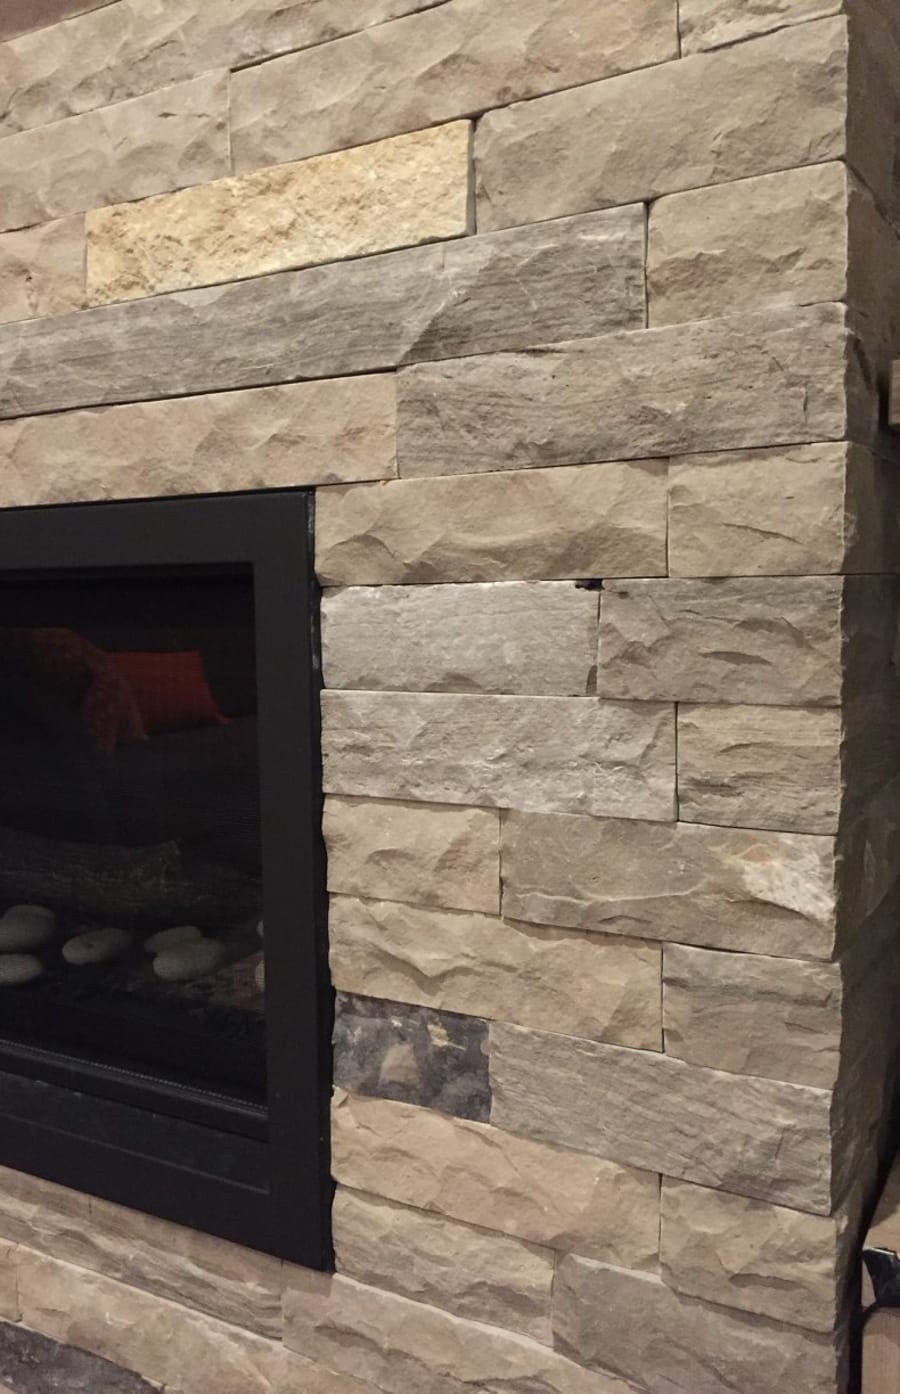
151	1144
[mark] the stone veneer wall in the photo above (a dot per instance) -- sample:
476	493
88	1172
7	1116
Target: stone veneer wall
613	929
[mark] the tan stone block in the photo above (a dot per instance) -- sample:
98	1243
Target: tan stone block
760	767
475	1273
763	243
262	438
396	193
418	853
590	520
536	638
42	270
714	23
552	980
771	104
726	888
473	1172
635	1326
546	754
165	140
401	1346
754	641
458	58
753	1015
9	1285
676	390
751	1256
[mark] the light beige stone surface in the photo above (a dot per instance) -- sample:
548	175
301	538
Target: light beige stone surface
396	193
42	270
590	520
261	438
756	640
9	1287
475	1273
538	638
738	1133
423	854
553	980
753	1015
711	23
767	105
470	1171
634	1326
459	58
760	767
749	1255
777	240
166	140
726	888
400	1346
546	754
682	389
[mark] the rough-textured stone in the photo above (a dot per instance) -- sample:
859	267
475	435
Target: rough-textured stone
590	520
163	141
539	639
42	270
472	1272
9	1292
561	280
872	522
759	107
713	23
473	1172
635	1326
664	391
262	438
22	16
396	193
759	243
751	1136
462	57
760	767
753	1015
757	640
749	1255
412	1055
33	1364
401	1346
546	754
725	888
418	853
550	979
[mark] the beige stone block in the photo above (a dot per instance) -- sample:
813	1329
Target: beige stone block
166	140
713	23
475	1273
751	1256
552	980
725	888
590	520
9	1286
400	1346
458	58
756	641
422	854
677	390
546	754
42	270
263	438
738	1133
636	1327
763	243
755	108
760	767
396	193
536	638
473	1172
753	1015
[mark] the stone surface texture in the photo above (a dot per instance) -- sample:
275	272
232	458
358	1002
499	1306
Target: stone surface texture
42	270
714	23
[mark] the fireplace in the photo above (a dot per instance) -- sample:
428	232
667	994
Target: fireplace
163	1010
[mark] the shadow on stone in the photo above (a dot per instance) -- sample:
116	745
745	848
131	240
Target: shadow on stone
33	1364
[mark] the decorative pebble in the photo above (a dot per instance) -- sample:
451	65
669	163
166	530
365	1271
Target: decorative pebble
170	938
186	961
96	946
259	974
26	927
19	968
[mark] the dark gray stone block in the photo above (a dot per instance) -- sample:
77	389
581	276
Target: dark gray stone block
33	1364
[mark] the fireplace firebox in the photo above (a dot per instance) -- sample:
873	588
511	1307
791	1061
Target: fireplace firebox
164	1008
